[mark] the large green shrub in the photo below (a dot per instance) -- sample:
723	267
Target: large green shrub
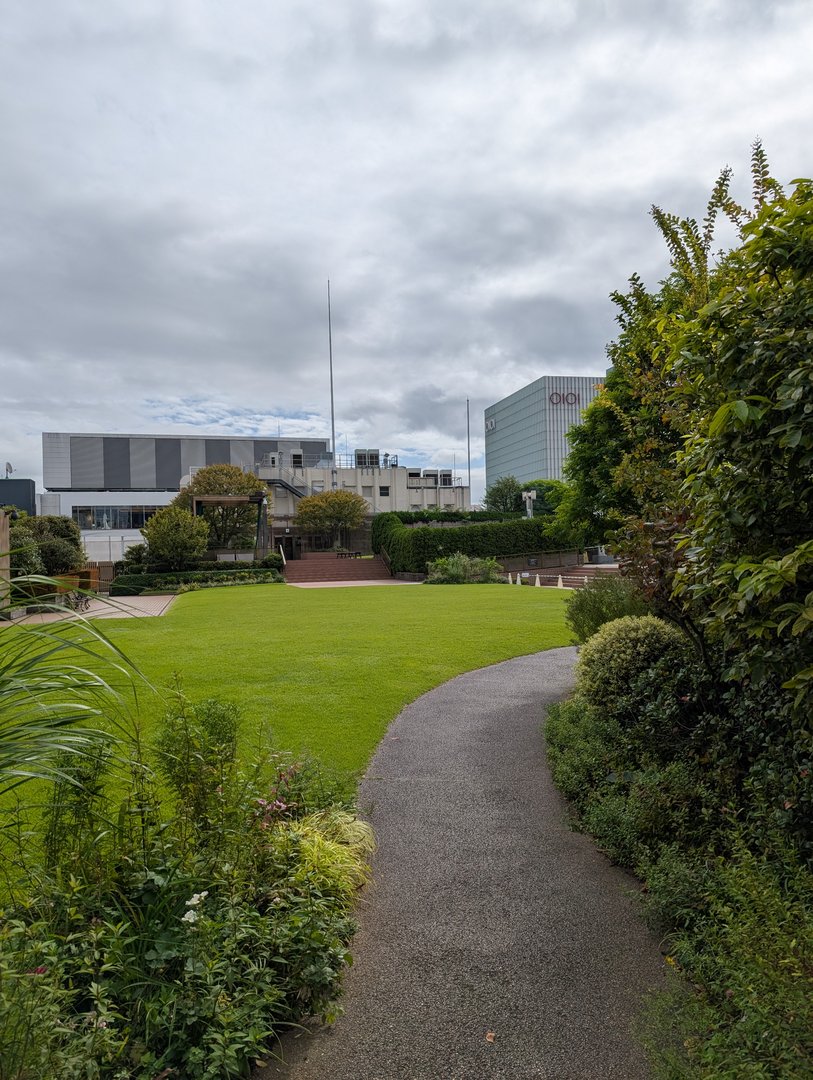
175	537
600	601
618	655
459	569
25	553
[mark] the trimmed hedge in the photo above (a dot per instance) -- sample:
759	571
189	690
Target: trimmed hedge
272	561
410	550
135	584
416	517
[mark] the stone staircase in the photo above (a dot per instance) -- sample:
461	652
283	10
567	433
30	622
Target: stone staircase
315	566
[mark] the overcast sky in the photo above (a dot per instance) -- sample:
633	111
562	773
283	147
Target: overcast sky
181	178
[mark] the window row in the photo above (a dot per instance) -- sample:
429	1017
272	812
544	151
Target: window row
112	517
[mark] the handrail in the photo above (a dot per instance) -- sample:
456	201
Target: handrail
282	553
387	562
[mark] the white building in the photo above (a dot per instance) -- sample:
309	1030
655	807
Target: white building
112	484
525	433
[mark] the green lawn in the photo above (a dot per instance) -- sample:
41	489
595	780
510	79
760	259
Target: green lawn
328	669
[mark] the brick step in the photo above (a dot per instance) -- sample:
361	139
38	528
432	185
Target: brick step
318	566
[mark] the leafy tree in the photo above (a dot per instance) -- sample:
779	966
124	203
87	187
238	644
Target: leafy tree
58	540
175	537
747	466
718	377
331	512
25	554
504	495
229	526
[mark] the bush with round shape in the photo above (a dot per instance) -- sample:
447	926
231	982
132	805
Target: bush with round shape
618	655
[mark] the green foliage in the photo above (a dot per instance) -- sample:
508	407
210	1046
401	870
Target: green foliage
621	652
411	550
707	791
462	517
229	526
60	556
504	495
46	545
748	465
549	495
155	943
746	941
459	569
57	696
135	560
135	584
175	538
272	561
25	553
600	601
331	512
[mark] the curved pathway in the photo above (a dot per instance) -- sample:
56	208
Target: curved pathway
495	942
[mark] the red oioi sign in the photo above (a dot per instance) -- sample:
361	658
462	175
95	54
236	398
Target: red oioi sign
563	399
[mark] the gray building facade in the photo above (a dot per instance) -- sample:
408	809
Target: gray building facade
156	463
525	433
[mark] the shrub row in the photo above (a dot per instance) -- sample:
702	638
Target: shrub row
416	517
135	584
411	550
136	564
704	791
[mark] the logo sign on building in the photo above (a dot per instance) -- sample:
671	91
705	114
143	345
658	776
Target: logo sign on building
563	399
491	424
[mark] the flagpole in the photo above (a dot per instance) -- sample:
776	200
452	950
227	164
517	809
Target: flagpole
468	444
334	477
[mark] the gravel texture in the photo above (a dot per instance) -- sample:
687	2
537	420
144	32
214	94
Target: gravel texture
495	942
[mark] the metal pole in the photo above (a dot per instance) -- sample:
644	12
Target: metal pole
468	443
334	483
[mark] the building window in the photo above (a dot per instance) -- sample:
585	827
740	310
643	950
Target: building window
114	518
384	491
296	461
367	491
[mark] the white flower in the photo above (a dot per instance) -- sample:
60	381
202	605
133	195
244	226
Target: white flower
196	898
190	917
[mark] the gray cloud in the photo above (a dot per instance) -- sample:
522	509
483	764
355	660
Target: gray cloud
180	181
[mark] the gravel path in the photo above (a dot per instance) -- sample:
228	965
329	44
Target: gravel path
495	943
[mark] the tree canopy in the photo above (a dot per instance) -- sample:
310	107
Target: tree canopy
229	526
331	512
504	495
175	538
710	455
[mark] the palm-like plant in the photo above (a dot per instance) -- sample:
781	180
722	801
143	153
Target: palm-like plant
57	690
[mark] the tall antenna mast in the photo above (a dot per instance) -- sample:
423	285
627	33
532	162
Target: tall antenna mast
334	483
468	444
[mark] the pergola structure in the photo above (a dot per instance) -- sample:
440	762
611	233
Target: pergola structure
258	499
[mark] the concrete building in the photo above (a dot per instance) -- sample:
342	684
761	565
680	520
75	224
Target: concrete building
525	432
112	484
